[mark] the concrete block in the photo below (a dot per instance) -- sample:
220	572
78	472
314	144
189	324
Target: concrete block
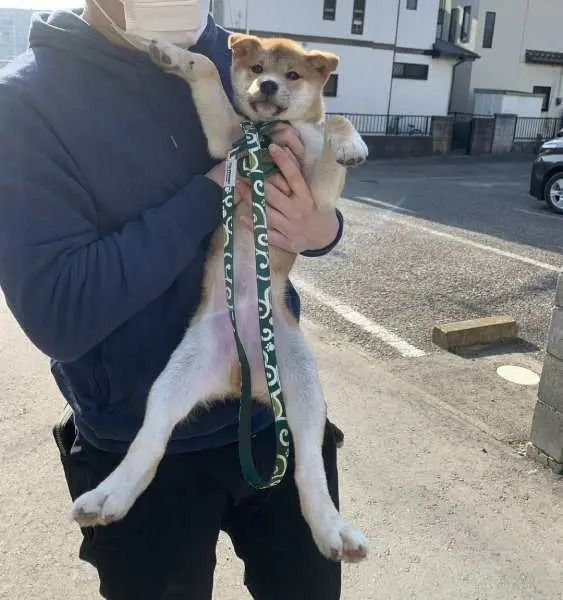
543	459
550	390
555	336
442	134
536	454
547	431
503	137
482	134
559	292
487	330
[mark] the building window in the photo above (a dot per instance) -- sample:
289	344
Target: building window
331	87
546	91
412	4
489	31
410	71
358	17
329	10
454	22
441	20
466	24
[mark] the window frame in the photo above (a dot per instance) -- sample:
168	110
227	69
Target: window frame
454	25
489	29
359	7
329	10
466	22
546	91
424	71
332	81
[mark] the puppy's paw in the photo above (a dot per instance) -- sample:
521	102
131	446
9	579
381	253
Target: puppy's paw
165	55
101	506
349	151
338	541
181	62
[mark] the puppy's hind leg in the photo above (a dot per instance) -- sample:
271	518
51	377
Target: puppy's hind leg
306	413
191	376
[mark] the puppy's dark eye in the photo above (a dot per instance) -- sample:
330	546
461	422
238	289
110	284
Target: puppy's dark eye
293	76
257	69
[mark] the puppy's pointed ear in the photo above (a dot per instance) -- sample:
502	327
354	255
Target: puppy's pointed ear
242	44
324	62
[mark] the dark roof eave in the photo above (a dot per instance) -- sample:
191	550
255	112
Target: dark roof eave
445	49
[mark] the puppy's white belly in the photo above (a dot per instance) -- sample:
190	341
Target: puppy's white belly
216	319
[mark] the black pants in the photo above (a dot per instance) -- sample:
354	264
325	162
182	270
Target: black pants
165	547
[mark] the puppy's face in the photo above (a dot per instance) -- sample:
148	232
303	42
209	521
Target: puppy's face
278	79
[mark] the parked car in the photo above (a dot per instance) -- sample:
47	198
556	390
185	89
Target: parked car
546	181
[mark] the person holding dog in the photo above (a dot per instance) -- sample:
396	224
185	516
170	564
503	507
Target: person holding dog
108	200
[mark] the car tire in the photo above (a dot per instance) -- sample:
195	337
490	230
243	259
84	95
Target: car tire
553	192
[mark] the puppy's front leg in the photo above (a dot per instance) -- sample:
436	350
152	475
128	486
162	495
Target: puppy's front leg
219	120
342	147
306	413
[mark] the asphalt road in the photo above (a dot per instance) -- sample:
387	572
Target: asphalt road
437	240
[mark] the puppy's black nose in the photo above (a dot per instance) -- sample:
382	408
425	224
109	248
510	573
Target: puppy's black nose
269	87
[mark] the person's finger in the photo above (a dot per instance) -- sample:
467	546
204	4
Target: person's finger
278	239
280	201
280	183
287	137
292	173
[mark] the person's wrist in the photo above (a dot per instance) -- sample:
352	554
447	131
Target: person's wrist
336	239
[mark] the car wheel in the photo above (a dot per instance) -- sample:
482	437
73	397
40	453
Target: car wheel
553	192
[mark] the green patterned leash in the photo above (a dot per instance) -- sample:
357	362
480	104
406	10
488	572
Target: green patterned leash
255	140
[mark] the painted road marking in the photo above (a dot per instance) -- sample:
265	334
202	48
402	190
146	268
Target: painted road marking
359	320
552	216
473	244
381	204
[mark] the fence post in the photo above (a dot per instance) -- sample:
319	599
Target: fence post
547	425
442	134
482	133
503	136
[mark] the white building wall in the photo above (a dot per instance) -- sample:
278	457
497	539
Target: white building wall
305	17
417	28
419	97
14	31
520	25
364	72
363	79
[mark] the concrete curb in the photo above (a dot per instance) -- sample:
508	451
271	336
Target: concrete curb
483	331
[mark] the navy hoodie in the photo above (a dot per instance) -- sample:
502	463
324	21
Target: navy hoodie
105	220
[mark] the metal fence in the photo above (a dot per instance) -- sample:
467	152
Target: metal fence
366	124
528	129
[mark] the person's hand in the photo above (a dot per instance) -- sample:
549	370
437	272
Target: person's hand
217	175
295	223
287	137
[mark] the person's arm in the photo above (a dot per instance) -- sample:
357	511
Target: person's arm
68	287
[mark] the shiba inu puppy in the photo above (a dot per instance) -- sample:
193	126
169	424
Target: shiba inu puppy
272	79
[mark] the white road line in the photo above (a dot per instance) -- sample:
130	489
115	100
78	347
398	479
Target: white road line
380	203
492	249
356	318
467	242
552	216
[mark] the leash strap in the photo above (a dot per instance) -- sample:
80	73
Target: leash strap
255	141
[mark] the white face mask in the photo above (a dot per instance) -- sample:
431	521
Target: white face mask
179	22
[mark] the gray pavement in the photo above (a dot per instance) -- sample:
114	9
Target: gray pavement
432	466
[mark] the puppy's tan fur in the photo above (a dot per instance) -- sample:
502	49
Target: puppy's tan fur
272	79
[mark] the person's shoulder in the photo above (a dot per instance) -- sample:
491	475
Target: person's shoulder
18	75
